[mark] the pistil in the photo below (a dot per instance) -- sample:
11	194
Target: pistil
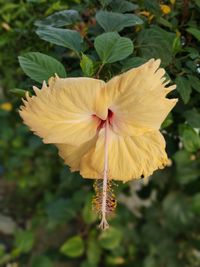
104	224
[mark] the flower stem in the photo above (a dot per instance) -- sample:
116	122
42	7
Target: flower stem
104	224
99	70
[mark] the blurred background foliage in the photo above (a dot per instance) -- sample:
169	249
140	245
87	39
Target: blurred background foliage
45	211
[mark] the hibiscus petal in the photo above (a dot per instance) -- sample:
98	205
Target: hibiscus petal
129	157
63	112
138	99
72	155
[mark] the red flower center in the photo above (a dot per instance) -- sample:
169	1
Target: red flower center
102	122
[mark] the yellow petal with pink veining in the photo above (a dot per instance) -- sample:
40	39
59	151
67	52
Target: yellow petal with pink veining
138	99
130	157
63	111
72	155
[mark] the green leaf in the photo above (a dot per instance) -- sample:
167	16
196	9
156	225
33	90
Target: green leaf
24	241
190	138
2	251
194	83
195	32
111	238
73	247
41	261
168	121
59	19
89	215
114	260
197	2
193	118
68	38
18	92
122	6
93	251
86	263
184	88
132	62
40	67
187	168
196	203
111	47
60	210
150	261
155	42
176	46
193	52
111	21
87	66
105	3
177	210
152	6
164	22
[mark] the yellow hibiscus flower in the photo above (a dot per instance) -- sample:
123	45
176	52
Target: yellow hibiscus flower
106	131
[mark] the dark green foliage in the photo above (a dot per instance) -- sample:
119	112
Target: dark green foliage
112	21
46	208
62	37
157	43
111	47
59	19
40	67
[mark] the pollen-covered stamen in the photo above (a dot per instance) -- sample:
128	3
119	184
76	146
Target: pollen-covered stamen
110	198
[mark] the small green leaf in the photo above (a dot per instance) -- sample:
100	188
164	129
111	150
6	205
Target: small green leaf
132	62
184	88
168	121
41	261
89	215
18	92
111	47
24	241
122	6
154	42
195	32
86	263
177	210
73	247
104	3
197	2
193	118
176	46
60	210
193	52
194	83
68	38
187	169
111	238
59	19
196	203
2	251
164	22
40	67
190	138
93	251
87	66
112	260
112	21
